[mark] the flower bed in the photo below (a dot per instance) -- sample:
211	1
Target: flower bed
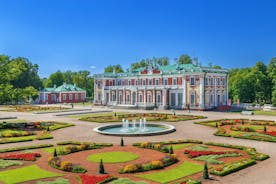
233	167
56	162
79	147
193	154
21	156
153	165
190	181
273	133
87	179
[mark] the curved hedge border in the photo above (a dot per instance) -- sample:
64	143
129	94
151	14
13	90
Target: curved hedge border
233	167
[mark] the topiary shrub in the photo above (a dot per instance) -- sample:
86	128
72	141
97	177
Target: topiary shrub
101	167
205	171
122	142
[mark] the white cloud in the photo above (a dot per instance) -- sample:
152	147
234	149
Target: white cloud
93	67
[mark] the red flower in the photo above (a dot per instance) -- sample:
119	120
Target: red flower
86	179
21	156
273	133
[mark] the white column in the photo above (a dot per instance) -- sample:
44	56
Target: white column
227	89
215	91
184	92
164	97
201	92
103	95
145	96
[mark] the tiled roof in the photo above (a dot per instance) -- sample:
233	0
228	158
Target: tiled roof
63	88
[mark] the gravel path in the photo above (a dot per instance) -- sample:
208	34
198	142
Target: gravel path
261	173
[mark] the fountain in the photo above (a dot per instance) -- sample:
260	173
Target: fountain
143	129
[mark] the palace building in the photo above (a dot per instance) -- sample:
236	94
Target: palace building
163	87
66	93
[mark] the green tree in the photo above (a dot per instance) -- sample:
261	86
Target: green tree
184	59
217	67
118	69
56	78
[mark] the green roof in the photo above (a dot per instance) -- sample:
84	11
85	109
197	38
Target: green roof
168	69
63	88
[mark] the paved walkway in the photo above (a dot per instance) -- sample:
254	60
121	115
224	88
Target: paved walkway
261	173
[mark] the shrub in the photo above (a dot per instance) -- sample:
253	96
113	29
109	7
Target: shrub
130	168
171	150
101	167
78	169
122	142
156	164
205	171
66	166
7	163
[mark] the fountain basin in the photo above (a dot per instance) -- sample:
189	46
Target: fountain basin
151	129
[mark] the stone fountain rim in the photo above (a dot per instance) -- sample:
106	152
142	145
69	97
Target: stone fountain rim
169	129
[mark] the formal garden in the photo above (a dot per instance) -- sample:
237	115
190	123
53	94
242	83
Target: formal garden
179	162
20	131
34	108
261	130
110	117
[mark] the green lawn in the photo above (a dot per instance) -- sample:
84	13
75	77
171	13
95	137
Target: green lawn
180	146
267	113
183	170
255	127
113	157
32	172
17	139
51	149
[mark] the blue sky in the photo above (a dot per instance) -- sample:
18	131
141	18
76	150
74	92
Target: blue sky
79	34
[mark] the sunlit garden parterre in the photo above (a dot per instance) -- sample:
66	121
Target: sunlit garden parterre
260	130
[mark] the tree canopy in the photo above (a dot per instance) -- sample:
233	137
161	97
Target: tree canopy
118	69
19	79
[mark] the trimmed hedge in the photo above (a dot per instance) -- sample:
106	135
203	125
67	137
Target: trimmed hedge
25	148
233	167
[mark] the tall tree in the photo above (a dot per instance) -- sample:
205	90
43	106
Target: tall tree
118	69
184	59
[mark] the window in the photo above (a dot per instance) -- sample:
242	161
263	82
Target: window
211	99
136	82
46	96
192	81
76	96
206	81
129	82
64	96
150	82
223	81
70	96
114	97
140	98
174	82
128	98
172	99
144	82
179	99
99	84
158	98
218	81
157	82
149	98
82	96
192	99
212	81
166	82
